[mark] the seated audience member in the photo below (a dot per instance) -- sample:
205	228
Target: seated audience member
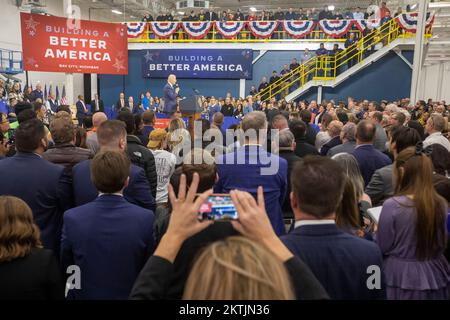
434	127
302	147
441	160
338	260
310	132
165	164
27	272
347	135
380	186
412	232
44	186
334	131
91	141
111	135
369	159
268	270
323	136
286	147
245	170
148	117
64	151
109	239
380	140
351	215
137	152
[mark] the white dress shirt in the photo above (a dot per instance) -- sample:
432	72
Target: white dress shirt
300	223
437	138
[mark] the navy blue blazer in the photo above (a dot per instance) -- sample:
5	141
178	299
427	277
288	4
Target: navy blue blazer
110	240
44	186
80	113
330	144
337	259
370	160
170	99
248	177
138	191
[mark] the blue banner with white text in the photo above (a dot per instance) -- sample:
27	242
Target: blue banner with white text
198	63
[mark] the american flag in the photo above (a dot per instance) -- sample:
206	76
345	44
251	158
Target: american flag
63	97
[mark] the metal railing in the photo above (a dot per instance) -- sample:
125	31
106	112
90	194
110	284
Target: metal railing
244	36
329	67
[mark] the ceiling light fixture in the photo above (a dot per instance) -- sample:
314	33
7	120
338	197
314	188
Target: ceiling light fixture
253	9
116	11
331	8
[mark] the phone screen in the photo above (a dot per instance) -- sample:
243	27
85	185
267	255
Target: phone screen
218	207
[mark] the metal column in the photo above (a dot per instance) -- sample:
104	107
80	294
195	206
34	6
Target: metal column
419	50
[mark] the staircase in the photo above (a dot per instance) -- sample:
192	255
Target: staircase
330	71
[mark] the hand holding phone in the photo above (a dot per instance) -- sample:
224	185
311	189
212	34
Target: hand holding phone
218	207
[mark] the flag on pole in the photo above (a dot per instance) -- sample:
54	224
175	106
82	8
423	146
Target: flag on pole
45	93
50	89
63	96
57	94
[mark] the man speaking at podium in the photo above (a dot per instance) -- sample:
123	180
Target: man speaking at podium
171	90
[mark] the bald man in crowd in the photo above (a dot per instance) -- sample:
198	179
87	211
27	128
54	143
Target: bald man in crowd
92	143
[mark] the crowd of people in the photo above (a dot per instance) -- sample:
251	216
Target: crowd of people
120	199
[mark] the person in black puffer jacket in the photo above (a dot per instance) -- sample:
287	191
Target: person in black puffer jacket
138	153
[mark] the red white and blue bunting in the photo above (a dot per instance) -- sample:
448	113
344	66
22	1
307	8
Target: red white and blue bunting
408	21
360	24
262	29
197	30
298	29
135	29
229	29
335	28
164	29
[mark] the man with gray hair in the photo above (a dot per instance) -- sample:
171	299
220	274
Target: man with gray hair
334	130
348	140
435	126
286	147
251	167
91	141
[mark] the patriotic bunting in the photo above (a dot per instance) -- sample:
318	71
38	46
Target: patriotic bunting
298	29
197	30
135	29
262	29
360	24
229	29
335	28
408	21
164	29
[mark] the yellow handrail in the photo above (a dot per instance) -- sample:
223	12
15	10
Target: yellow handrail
328	67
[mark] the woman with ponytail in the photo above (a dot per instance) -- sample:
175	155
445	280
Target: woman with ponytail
412	231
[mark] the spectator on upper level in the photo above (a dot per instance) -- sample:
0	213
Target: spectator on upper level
358	14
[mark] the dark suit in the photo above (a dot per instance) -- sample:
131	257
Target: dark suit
170	99
81	113
120	104
303	148
330	144
248	176
346	147
338	260
44	186
370	160
110	240
291	159
138	191
97	104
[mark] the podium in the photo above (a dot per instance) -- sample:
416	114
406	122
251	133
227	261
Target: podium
191	108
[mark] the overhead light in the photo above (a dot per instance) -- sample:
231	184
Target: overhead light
253	9
439	5
181	13
331	8
116	11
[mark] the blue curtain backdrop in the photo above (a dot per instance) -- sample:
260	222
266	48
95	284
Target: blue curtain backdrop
388	78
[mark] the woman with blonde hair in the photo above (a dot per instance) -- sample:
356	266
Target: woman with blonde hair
258	266
178	137
26	270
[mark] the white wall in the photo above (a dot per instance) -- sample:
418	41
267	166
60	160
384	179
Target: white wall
435	82
10	38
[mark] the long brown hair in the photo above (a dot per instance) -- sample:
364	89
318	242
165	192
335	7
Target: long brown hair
18	233
238	269
414	177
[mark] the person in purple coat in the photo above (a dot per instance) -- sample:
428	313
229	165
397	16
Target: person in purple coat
412	232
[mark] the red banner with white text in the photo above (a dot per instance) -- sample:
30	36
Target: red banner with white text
57	44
